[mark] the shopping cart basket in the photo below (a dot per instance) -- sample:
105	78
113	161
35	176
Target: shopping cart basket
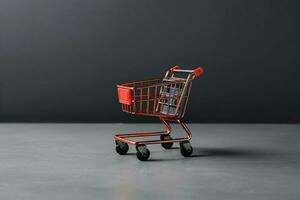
165	98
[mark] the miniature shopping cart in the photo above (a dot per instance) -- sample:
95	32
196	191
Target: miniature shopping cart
165	98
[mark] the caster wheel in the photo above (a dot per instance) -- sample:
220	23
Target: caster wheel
167	145
186	149
121	148
142	152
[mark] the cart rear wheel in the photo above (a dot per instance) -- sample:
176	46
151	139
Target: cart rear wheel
121	148
167	145
142	152
186	149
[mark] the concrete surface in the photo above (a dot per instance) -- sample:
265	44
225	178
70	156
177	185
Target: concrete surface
78	161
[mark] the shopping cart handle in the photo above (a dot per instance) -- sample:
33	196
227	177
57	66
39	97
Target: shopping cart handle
196	72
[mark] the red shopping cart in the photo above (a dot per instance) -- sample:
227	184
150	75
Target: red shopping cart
165	98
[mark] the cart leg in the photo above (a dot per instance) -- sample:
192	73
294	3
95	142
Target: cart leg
186	148
186	129
166	137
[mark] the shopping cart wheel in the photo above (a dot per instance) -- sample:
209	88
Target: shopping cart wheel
142	152
186	149
121	148
167	145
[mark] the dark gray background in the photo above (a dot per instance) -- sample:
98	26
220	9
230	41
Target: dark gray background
60	60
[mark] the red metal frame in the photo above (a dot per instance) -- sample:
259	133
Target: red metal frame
124	137
165	98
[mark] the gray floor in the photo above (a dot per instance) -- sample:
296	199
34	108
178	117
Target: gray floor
77	161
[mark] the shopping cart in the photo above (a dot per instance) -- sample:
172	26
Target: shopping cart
165	98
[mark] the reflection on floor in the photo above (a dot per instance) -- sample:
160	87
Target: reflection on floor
78	161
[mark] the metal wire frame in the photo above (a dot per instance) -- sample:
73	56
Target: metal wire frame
157	98
168	130
165	98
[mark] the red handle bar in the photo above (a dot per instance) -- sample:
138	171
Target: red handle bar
196	72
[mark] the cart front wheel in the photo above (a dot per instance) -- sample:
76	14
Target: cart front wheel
166	145
186	149
121	148
142	153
